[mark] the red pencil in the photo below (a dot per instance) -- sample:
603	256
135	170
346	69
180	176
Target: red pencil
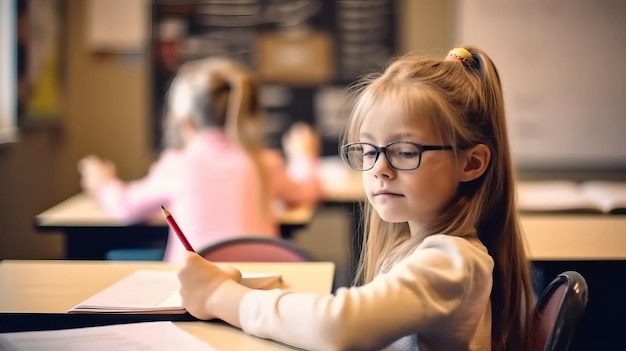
176	229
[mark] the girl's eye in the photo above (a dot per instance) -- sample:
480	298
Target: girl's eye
405	150
408	154
369	153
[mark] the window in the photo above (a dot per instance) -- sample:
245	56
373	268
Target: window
8	81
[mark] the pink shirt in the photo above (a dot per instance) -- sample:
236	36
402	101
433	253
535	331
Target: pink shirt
211	188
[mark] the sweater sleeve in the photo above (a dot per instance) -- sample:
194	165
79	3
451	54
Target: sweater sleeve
424	292
137	200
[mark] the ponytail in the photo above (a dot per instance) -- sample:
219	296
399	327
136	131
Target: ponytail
242	125
499	230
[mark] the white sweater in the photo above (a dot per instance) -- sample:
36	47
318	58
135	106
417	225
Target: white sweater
437	298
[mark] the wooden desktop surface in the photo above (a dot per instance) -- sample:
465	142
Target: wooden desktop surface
569	237
81	210
226	338
52	287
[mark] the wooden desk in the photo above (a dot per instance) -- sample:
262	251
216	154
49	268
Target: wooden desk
81	210
35	295
90	232
570	237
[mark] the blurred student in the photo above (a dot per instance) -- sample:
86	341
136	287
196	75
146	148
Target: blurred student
215	175
443	266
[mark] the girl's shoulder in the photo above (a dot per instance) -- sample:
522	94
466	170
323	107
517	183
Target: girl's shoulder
171	155
465	249
168	158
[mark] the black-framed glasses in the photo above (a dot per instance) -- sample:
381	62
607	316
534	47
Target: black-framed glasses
401	155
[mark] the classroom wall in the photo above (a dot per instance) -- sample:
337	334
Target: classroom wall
106	113
563	93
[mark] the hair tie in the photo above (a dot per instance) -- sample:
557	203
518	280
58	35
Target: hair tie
461	55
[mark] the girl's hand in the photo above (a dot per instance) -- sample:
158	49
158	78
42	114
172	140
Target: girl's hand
301	140
95	172
199	280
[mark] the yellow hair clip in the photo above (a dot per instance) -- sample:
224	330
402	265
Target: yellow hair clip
459	54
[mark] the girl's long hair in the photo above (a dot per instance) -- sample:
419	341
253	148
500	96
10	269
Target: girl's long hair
464	100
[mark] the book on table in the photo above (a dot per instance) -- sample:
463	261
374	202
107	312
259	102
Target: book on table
565	196
155	291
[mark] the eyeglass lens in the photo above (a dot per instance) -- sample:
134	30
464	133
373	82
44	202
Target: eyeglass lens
402	156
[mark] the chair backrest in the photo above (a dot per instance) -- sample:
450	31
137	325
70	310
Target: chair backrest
558	312
254	249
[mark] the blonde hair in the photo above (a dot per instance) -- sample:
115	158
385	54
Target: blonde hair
464	101
218	92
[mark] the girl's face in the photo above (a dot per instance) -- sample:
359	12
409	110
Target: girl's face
415	196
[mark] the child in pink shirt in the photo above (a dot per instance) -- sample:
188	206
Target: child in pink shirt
215	176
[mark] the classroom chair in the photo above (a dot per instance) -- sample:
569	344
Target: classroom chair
255	249
558	312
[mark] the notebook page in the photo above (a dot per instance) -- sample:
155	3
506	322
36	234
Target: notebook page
148	336
141	290
156	291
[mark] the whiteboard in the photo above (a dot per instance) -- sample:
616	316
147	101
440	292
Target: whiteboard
563	69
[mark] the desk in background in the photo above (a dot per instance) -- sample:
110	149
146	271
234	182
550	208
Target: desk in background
35	295
90	232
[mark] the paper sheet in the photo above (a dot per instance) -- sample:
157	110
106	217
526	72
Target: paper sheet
155	291
141	291
134	336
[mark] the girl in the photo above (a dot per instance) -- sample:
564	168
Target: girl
443	265
214	174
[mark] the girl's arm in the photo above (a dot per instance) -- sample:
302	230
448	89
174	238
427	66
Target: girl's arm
440	283
296	182
138	200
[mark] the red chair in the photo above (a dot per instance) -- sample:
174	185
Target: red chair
558	312
255	249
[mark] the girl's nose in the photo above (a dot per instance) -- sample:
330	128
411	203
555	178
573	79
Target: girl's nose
382	168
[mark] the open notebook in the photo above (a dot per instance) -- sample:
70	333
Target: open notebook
155	291
592	196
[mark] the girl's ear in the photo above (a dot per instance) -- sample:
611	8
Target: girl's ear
473	162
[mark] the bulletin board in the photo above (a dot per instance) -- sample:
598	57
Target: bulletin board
562	68
39	61
305	52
